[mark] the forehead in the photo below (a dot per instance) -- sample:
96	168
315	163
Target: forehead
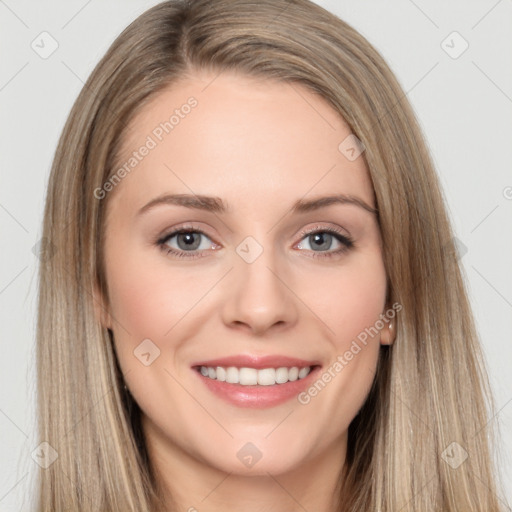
251	141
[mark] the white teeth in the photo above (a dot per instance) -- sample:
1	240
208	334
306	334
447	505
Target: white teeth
282	375
303	372
293	374
231	375
266	377
221	373
252	376
248	376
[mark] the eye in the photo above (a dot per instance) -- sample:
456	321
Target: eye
185	240
190	242
320	240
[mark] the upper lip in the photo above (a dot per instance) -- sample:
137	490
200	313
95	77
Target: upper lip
258	362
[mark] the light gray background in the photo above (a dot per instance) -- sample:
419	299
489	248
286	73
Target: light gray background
464	105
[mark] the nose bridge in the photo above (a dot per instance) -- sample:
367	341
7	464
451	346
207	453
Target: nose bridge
259	297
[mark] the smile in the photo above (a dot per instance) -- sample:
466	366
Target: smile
256	381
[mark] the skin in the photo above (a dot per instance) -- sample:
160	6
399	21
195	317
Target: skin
260	146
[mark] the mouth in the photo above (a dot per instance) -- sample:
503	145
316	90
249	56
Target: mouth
256	382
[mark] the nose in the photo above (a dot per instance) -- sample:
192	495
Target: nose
259	296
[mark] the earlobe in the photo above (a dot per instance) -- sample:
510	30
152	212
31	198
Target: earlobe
100	308
388	333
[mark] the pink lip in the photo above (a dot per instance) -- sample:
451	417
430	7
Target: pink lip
258	362
258	397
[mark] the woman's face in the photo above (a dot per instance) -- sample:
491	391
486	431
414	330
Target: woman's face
264	276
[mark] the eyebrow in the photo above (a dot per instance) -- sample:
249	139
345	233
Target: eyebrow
215	204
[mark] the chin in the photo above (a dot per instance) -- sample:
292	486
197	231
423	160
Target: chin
254	458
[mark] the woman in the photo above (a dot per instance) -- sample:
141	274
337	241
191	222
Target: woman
255	372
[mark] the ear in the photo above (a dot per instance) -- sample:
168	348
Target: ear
101	308
388	332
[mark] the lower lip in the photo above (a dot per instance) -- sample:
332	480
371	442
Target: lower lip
258	397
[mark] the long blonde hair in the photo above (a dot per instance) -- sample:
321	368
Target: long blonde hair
430	389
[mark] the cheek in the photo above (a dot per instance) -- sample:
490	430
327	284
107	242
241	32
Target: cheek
147	299
349	299
350	309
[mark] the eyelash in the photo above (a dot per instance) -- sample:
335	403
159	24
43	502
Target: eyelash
345	240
